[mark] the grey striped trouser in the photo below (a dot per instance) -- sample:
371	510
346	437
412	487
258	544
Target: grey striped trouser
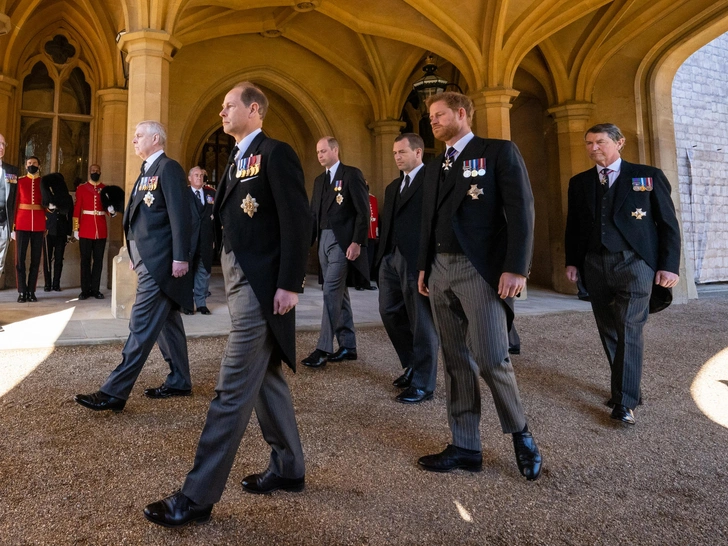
471	321
619	285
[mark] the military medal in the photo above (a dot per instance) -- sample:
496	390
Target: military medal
639	213
249	205
11	178
475	191
210	200
153	183
339	199
467	169
337	185
446	166
481	166
642	184
148	199
248	166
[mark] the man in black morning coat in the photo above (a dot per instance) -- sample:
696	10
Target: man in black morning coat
156	225
203	237
340	210
475	254
623	241
263	211
406	313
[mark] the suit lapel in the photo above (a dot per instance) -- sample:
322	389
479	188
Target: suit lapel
407	194
622	185
590	191
330	195
139	197
232	182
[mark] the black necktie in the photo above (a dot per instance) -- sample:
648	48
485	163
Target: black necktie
327	178
231	169
406	184
143	168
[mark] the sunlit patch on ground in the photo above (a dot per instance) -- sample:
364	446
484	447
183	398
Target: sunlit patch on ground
710	388
14	368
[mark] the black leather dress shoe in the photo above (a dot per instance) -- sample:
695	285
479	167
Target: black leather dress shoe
166	392
47	288
267	482
99	296
624	414
83	296
343	354
21	297
56	288
453	457
30	296
177	511
204	310
188	311
316	359
413	395
514	350
404	380
98	401
528	457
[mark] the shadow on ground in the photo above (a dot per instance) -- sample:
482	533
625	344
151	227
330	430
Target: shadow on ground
70	476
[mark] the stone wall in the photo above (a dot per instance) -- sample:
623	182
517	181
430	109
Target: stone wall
700	107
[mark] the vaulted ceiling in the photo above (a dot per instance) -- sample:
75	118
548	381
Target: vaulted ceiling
379	44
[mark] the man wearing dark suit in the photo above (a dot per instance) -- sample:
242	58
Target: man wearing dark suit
59	207
623	241
156	225
475	254
203	237
263	209
8	187
340	209
406	313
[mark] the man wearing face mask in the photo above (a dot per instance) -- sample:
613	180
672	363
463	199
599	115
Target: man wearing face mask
89	227
30	225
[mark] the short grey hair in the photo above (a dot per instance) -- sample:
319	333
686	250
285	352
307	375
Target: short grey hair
611	129
189	173
152	127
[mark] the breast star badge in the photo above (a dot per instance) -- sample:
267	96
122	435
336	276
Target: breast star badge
339	199
148	199
475	191
446	166
639	214
249	205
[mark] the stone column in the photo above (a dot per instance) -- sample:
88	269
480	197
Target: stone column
572	120
110	155
149	53
491	118
7	119
385	170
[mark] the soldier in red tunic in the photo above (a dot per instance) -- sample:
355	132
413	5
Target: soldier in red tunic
89	227
29	228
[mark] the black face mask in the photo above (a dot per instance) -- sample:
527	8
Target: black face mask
95	177
33	169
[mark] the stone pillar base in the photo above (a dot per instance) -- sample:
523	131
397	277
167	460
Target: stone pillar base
123	286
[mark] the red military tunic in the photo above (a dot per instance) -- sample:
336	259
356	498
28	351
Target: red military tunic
29	211
373	218
89	216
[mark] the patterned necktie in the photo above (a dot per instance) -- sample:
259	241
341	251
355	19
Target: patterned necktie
604	178
142	170
405	184
199	198
449	158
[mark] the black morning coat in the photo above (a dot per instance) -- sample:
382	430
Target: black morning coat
203	226
159	219
495	231
271	246
348	217
403	222
653	233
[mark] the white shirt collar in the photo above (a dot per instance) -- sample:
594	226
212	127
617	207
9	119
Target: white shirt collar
614	167
414	172
244	144
151	159
460	144
333	169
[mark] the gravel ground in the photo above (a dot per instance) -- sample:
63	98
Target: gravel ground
70	476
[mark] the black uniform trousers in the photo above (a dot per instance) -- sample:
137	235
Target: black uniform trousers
92	250
23	239
54	247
